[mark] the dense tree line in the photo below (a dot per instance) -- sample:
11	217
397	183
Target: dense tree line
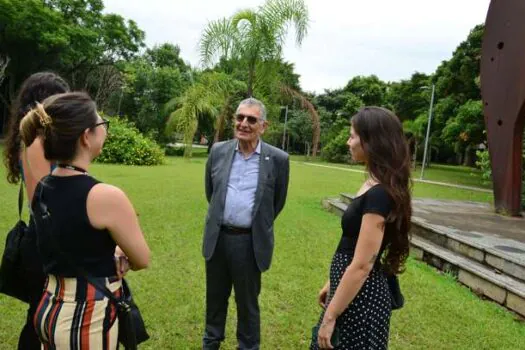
241	55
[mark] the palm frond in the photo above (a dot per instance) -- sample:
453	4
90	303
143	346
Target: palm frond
172	104
247	15
279	13
218	39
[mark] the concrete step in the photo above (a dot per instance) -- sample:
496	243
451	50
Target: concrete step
482	279
499	253
335	205
503	289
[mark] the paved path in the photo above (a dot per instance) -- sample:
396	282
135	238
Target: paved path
462	187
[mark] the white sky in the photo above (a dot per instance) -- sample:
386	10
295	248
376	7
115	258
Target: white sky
389	38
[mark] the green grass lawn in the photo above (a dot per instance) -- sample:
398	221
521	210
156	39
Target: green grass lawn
439	313
458	175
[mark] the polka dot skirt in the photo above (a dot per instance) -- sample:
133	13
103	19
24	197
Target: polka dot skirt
366	321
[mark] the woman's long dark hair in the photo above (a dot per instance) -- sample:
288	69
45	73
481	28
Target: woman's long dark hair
388	162
35	89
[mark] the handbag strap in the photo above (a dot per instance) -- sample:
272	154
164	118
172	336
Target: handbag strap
45	216
20	199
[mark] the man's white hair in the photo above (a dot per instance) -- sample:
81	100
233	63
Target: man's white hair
253	102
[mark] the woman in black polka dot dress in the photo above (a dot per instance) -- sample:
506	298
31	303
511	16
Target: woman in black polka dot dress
356	299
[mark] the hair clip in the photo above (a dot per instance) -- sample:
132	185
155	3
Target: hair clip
45	119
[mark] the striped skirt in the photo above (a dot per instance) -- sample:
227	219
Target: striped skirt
73	315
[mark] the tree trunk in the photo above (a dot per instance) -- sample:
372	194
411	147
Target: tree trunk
251	76
220	128
415	155
4	62
459	158
307	149
221	122
12	90
468	160
4	100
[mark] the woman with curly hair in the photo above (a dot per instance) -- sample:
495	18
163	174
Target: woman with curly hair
30	167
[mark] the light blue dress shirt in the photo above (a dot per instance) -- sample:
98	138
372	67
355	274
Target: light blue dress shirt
242	184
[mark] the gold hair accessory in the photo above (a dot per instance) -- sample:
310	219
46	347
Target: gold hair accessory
45	119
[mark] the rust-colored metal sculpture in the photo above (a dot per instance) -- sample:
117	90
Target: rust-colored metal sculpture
503	91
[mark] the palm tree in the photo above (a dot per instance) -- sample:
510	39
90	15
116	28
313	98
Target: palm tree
201	100
416	130
254	37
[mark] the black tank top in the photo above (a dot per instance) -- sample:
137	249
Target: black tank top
375	200
88	247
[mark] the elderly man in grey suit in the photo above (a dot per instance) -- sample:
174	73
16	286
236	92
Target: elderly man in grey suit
246	187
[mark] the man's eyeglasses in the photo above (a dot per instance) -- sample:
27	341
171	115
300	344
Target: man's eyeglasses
104	122
251	119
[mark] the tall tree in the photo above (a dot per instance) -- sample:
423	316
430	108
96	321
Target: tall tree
369	89
458	76
166	55
254	37
466	129
254	40
407	98
147	87
72	37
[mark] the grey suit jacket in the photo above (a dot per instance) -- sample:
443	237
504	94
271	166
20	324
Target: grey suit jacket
270	197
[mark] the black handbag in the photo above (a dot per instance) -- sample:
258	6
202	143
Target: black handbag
398	300
12	270
132	330
133	325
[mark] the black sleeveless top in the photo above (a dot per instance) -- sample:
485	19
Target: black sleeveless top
375	200
86	246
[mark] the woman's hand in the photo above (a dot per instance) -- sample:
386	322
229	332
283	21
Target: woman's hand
121	263
325	332
323	295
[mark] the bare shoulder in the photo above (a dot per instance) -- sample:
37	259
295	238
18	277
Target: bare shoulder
106	194
105	203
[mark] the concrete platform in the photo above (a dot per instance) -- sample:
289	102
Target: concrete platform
471	229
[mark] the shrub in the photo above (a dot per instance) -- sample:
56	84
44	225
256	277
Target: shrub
177	151
483	163
126	145
336	150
